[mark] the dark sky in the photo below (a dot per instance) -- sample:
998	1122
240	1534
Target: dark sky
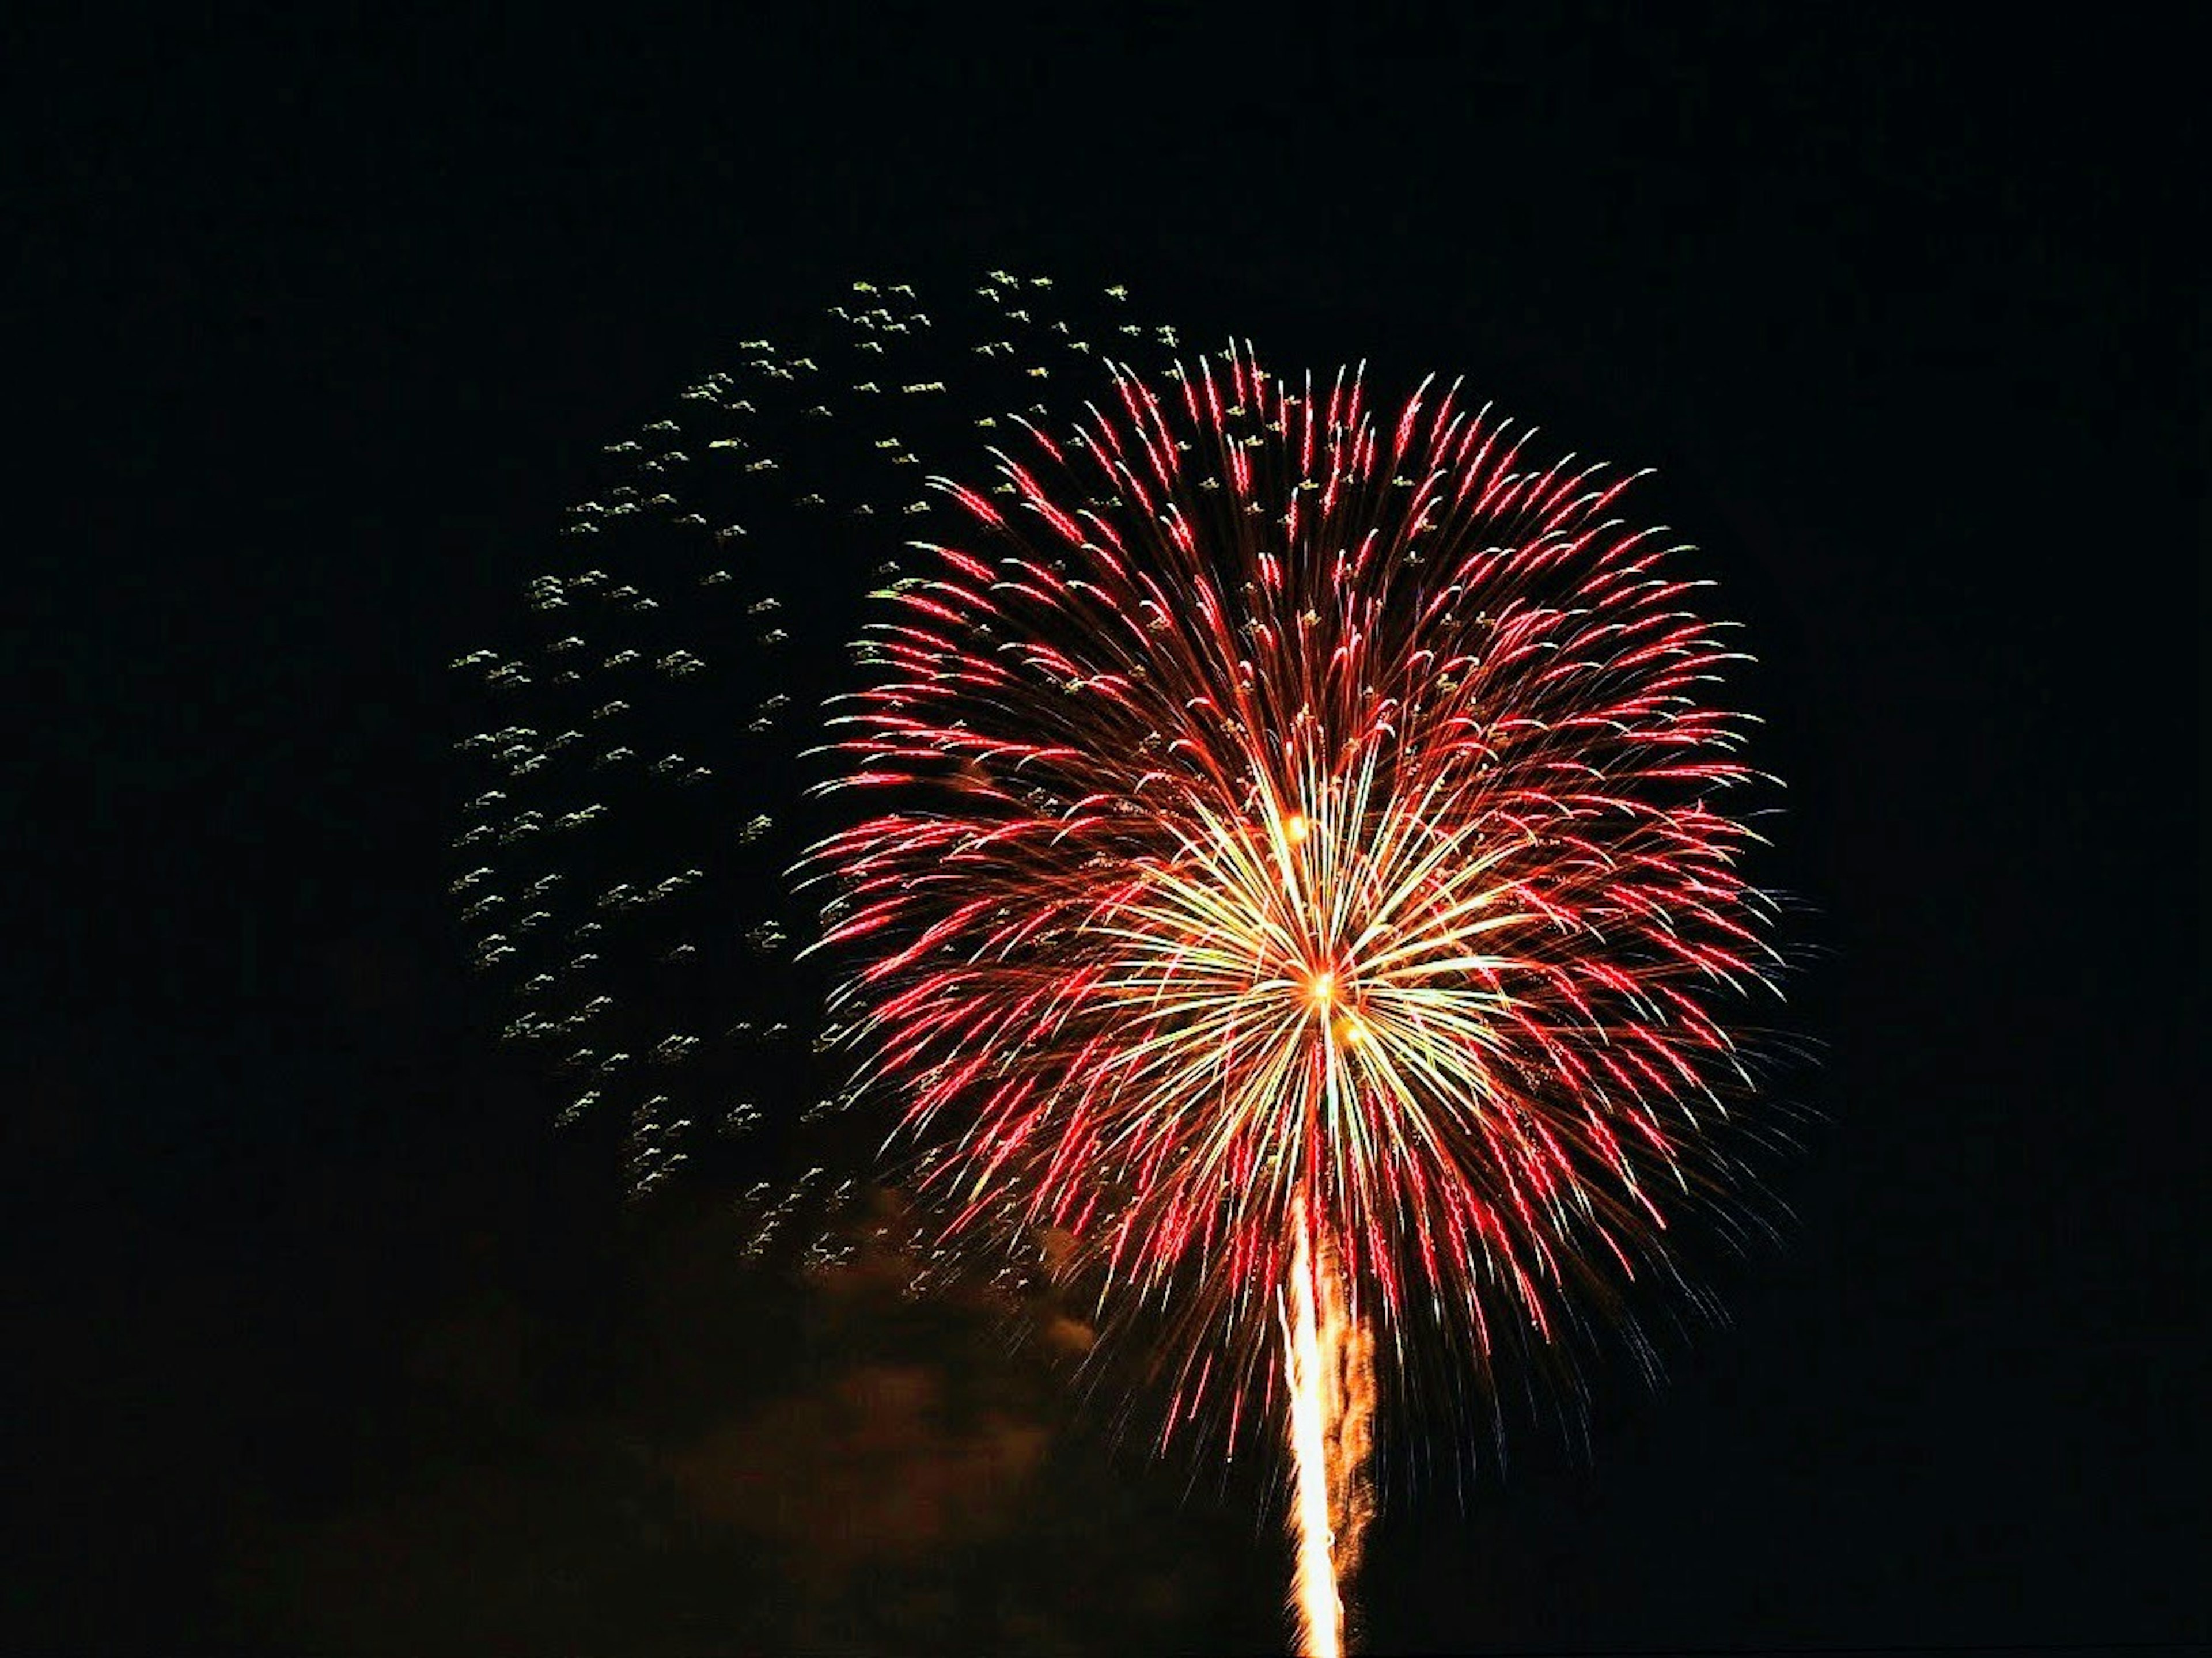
331	1345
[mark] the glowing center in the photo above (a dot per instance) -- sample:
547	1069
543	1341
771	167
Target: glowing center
1331	1004
1295	828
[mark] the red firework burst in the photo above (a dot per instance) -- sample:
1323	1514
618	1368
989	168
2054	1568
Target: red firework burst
1297	814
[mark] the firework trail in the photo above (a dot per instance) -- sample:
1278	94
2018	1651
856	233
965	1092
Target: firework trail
1292	858
1326	1370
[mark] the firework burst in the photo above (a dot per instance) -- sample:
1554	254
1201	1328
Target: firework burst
1287	856
1303	841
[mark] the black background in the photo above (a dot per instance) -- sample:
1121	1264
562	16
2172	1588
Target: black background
324	321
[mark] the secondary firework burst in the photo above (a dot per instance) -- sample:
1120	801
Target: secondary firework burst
636	791
1304	874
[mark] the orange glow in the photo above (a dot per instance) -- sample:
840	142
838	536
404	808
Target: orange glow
1322	987
1295	828
1351	1031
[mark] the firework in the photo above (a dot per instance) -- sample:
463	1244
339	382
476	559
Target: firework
1303	844
1295	852
637	800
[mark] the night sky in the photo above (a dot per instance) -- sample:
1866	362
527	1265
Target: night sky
333	1344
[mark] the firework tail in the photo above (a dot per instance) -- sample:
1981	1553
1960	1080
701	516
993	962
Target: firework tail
1331	1404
